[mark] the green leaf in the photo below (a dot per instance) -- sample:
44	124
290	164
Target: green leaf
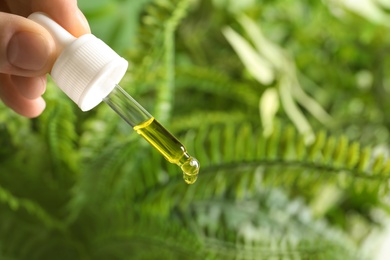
257	66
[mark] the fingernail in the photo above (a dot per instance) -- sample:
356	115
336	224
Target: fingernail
28	50
83	21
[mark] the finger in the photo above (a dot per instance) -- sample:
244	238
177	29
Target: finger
21	105
26	48
64	12
30	87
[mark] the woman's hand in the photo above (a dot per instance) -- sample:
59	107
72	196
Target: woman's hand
27	50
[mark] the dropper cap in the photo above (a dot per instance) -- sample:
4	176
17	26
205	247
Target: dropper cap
86	69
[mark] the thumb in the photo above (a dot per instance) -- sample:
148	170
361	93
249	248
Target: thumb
26	48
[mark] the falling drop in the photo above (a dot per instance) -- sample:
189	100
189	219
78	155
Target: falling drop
190	170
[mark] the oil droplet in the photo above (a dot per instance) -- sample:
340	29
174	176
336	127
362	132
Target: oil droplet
190	170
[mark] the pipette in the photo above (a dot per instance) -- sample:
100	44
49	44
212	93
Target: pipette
88	71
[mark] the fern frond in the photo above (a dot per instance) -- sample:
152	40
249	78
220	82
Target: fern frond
197	120
235	174
258	223
30	207
208	80
101	174
283	158
147	238
58	126
157	33
165	94
26	239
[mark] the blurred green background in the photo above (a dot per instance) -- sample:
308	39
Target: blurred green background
285	104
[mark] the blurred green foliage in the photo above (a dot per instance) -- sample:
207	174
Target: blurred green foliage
285	104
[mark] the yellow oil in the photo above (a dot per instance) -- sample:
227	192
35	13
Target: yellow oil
153	132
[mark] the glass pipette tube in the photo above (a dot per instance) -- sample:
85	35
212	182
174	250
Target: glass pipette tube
153	132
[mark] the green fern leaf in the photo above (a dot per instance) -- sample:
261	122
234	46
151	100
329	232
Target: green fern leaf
353	155
58	127
340	153
17	204
329	150
272	143
386	168
364	159
377	165
317	146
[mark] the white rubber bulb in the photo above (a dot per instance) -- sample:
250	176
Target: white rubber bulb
86	69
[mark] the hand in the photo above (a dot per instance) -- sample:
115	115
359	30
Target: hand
27	50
